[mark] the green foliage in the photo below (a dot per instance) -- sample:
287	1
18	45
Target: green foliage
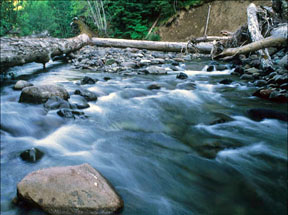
154	37
126	18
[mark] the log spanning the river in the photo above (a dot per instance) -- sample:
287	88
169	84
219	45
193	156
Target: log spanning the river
153	45
18	51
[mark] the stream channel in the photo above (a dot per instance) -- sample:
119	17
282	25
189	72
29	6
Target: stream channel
158	148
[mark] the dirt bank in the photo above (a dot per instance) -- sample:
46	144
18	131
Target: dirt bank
224	15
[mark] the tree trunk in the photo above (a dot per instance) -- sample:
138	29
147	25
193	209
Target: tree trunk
153	45
18	51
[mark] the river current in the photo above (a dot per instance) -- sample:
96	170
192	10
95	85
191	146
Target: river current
154	146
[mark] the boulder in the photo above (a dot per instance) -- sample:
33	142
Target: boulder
263	93
210	68
156	70
77	190
22	84
247	77
56	102
221	67
40	94
226	81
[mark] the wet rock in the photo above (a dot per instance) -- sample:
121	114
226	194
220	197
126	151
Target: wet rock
179	59
239	70
107	78
22	84
255	63
40	94
88	95
284	61
260	83
247	77
284	86
153	87
221	118
157	61
129	64
76	190
276	96
32	155
263	93
209	150
145	62
87	80
79	101
210	68
69	113
156	70
280	79
55	102
221	67
110	62
226	81
182	75
186	86
259	114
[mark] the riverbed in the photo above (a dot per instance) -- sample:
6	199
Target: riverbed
163	149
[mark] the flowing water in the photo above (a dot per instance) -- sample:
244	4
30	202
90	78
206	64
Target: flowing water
154	146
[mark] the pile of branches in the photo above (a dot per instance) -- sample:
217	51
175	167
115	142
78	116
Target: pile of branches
266	27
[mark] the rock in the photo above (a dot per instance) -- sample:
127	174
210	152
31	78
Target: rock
69	113
221	118
182	75
79	101
156	70
145	62
263	93
56	102
239	70
186	86
22	84
179	59
284	86
226	81
255	63
107	78
259	114
129	64
210	68
153	87
284	61
32	155
247	77
220	67
110	62
88	95
276	96
157	61
40	94
77	190
87	80
280	79
260	83
252	70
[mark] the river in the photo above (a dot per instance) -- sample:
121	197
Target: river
158	148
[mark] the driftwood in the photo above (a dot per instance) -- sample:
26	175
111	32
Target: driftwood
255	34
153	45
18	51
255	46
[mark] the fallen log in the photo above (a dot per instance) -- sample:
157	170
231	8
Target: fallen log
255	34
153	45
18	51
255	46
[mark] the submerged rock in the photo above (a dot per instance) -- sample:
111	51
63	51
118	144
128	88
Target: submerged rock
22	84
56	102
88	95
182	75
40	94
87	80
186	86
77	190
259	114
32	155
69	113
79	101
153	87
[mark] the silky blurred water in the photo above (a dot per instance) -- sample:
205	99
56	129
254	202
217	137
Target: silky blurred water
150	143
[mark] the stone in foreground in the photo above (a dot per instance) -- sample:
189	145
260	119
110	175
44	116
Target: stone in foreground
77	190
40	94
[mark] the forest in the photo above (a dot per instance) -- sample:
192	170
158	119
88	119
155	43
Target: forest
130	19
